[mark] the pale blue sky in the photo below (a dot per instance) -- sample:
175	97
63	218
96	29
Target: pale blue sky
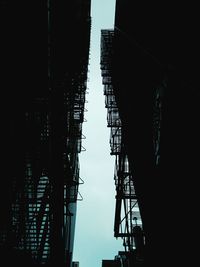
94	236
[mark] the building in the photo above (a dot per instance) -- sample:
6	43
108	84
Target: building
150	78
110	263
75	264
43	117
127	213
124	259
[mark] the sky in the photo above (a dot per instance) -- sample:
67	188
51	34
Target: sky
94	234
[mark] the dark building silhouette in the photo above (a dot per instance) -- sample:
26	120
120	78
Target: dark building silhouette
75	264
150	77
110	263
42	111
127	214
124	259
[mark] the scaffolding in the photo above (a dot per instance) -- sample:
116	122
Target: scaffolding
127	214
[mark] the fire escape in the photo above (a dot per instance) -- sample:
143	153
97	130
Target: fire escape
128	222
46	134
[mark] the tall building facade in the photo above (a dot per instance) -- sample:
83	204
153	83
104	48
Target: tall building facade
150	77
45	52
127	222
